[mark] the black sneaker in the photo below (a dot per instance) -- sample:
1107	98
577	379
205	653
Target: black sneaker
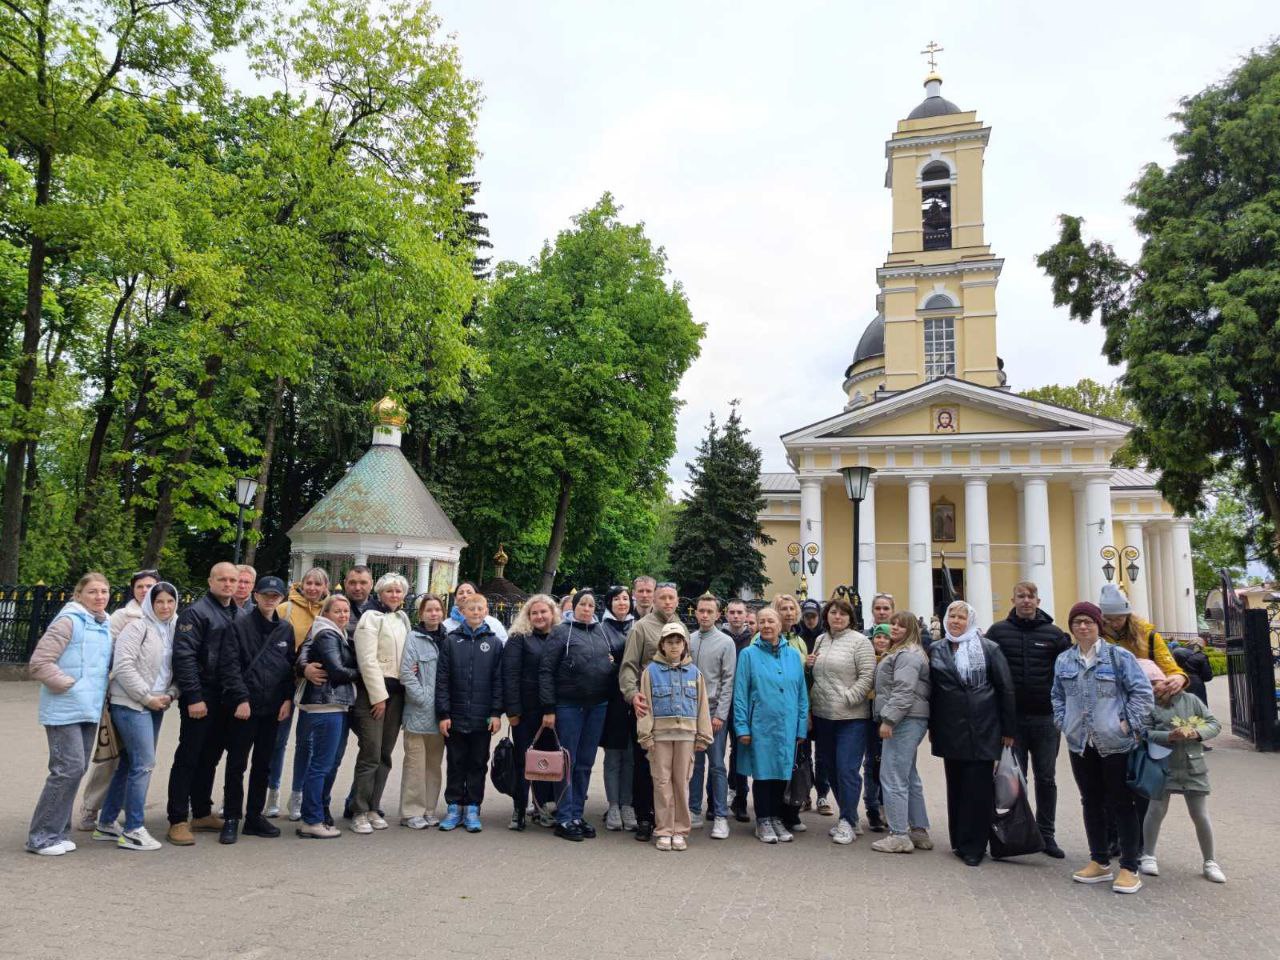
256	825
569	831
1051	849
740	814
587	830
517	821
230	832
874	821
644	831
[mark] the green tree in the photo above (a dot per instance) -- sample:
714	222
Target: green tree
585	349
1096	399
1196	320
714	547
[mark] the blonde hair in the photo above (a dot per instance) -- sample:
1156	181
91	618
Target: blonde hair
91	577
390	580
320	572
331	600
522	625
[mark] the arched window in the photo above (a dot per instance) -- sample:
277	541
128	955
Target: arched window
935	217
937	170
938	301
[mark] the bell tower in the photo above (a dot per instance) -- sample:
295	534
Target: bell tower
938	284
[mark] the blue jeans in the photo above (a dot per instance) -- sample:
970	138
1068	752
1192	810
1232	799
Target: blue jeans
579	729
138	730
301	753
842	744
618	772
903	791
326	732
717	779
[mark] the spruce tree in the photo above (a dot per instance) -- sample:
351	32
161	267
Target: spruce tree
715	546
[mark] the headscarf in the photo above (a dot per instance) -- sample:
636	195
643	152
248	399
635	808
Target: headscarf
971	659
166	628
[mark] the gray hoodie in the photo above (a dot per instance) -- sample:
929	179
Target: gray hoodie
715	656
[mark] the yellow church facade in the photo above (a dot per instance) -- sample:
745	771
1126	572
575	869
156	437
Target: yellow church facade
969	478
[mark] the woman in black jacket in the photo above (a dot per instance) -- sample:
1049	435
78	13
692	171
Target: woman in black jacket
971	716
326	706
619	733
521	661
577	672
256	673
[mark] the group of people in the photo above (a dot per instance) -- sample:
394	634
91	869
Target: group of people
753	705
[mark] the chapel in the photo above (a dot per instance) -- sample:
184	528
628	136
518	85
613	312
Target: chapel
971	482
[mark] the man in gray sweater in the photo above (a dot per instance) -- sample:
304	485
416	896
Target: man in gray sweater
715	657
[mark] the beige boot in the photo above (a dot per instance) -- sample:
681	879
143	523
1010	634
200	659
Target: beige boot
180	834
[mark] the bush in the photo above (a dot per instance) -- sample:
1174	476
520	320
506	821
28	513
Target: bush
1217	660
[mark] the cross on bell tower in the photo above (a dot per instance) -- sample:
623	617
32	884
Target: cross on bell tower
931	51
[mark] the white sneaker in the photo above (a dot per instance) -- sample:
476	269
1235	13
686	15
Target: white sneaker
1214	872
843	833
765	832
432	820
628	818
273	804
720	828
1147	865
696	821
295	806
54	849
360	823
832	831
137	840
71	845
824	807
414	823
781	832
377	822
107	831
613	818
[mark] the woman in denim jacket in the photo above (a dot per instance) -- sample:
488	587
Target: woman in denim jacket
1101	701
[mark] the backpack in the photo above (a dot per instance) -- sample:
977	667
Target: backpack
502	770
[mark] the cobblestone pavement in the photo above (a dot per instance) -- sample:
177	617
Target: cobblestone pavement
504	895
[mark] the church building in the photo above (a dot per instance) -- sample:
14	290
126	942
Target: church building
970	480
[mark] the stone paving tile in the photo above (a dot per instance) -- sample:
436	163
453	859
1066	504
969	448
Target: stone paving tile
529	896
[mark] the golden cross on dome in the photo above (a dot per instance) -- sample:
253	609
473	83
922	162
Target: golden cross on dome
932	50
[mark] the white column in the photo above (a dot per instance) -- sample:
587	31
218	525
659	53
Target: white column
1170	586
1035	500
919	548
1082	545
1183	577
305	562
867	549
362	559
424	576
811	532
977	527
1155	574
1139	599
1097	506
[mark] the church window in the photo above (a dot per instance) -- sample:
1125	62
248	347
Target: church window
939	347
935	217
939	301
936	171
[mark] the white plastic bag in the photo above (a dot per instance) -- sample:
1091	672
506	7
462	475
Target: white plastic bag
1010	783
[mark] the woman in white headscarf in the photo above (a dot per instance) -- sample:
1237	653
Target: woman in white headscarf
971	716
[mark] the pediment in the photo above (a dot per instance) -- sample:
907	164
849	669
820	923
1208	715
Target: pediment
950	408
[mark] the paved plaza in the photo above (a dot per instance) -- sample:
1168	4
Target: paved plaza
503	895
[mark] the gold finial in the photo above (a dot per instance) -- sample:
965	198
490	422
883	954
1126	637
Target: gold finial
500	558
931	51
389	413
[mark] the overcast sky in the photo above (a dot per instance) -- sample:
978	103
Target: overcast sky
749	138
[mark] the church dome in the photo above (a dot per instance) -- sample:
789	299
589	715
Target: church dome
872	342
934	104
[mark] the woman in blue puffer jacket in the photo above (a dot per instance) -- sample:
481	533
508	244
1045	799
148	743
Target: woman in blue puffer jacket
72	661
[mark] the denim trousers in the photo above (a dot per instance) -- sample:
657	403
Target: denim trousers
138	731
900	785
70	752
325	731
1038	737
871	775
842	745
710	762
579	728
619	770
301	753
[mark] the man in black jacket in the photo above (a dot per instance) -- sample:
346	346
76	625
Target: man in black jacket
1031	643
469	709
256	670
197	647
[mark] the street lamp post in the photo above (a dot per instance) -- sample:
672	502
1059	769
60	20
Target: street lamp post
246	490
855	487
1111	553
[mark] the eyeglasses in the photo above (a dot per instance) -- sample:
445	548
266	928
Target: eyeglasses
1083	622
666	585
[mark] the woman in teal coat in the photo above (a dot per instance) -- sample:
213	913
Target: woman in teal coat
770	717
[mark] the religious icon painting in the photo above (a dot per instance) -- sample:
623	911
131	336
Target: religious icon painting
944	521
945	419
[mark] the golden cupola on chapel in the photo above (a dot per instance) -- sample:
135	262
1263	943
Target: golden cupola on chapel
936	306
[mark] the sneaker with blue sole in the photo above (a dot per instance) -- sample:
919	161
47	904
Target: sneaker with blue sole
452	817
471	820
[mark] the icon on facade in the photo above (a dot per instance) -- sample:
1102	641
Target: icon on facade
945	420
944	521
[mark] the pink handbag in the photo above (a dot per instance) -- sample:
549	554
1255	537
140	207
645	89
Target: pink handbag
548	765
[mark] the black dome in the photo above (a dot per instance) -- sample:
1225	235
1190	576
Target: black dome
933	107
872	342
